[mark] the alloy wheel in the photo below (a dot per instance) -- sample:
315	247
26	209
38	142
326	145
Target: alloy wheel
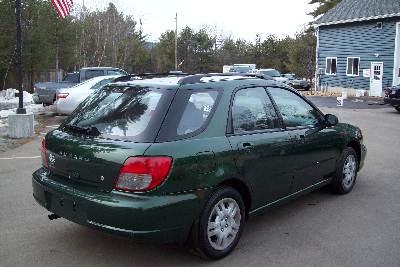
223	223
349	171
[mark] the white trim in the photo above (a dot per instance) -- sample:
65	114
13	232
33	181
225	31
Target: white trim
347	67
396	64
372	75
357	19
316	83
326	65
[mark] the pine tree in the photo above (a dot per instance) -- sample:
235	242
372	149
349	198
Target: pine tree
323	6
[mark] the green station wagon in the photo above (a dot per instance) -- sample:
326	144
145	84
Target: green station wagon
189	159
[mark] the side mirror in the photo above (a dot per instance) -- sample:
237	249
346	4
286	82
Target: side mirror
331	120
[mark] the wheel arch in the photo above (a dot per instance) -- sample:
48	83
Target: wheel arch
357	147
243	190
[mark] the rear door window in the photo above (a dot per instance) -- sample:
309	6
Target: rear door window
252	110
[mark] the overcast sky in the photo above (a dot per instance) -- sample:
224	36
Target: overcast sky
240	19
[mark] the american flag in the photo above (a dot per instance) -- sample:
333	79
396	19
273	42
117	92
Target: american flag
63	7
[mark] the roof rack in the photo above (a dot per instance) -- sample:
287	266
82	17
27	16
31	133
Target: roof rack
197	77
149	75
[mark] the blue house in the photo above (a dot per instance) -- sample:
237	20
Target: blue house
358	46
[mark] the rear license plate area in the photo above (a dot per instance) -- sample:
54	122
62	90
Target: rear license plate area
65	207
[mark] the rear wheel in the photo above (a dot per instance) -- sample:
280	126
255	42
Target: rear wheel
346	172
221	223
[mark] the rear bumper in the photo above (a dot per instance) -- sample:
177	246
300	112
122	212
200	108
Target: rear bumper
159	218
395	102
47	98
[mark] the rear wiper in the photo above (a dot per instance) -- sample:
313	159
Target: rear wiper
92	130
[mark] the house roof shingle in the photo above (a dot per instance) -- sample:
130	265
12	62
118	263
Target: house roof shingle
358	10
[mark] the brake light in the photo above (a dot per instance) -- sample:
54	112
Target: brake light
143	173
62	95
44	158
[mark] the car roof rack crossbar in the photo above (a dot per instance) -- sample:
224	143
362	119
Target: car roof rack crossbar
149	75
197	77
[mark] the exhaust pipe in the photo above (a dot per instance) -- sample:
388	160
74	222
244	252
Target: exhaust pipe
53	216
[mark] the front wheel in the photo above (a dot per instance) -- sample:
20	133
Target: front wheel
221	223
397	108
346	172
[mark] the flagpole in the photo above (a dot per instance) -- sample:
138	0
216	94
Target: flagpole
20	109
176	41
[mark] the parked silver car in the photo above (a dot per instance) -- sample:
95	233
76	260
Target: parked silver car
68	99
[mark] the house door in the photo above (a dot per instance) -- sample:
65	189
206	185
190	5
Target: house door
376	79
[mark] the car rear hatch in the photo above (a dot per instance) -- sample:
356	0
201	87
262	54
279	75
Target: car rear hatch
110	126
87	161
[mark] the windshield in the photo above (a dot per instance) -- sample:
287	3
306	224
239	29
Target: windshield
272	73
122	111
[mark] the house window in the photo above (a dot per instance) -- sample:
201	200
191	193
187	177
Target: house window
353	66
330	68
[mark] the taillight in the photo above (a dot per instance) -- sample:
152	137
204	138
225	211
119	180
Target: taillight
62	95
44	158
142	173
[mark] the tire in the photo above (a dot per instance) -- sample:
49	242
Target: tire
397	108
346	172
215	238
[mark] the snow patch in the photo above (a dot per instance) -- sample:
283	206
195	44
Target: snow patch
8	96
32	108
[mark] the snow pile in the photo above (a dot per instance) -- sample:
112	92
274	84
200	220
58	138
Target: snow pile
8	96
32	108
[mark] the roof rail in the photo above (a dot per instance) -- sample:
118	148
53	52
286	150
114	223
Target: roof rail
197	77
149	75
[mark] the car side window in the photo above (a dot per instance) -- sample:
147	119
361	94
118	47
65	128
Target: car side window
253	110
115	72
294	110
197	110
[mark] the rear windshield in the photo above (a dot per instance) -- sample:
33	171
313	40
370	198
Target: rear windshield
130	112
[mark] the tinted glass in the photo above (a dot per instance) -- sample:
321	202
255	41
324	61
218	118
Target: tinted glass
89	74
294	110
196	112
123	111
252	110
71	77
116	72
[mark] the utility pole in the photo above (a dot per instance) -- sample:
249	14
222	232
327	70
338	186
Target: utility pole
176	41
20	109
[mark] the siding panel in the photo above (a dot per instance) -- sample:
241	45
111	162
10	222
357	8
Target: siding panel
359	39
